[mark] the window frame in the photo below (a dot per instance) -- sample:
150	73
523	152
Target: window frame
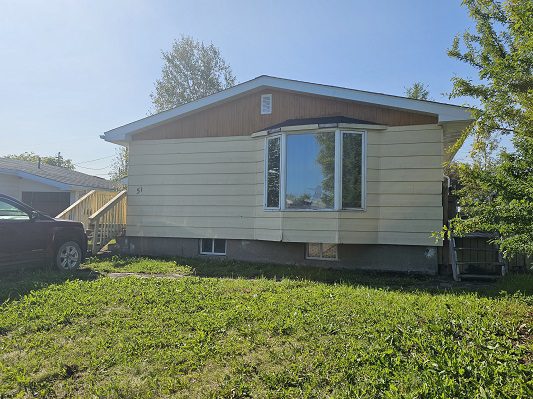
213	247
15	219
281	172
337	207
363	169
321	251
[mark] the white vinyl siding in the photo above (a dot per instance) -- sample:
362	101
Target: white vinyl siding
214	188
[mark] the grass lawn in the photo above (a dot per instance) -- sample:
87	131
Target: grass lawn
234	330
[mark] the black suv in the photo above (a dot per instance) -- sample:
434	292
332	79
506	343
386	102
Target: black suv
28	236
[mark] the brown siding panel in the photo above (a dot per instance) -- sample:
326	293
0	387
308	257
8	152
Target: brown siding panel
242	117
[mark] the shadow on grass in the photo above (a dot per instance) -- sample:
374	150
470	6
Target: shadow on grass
223	268
14	284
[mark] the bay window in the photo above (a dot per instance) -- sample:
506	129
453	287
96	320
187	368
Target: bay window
315	171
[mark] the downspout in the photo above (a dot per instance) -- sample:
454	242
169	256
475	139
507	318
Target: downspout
450	251
445	197
448	180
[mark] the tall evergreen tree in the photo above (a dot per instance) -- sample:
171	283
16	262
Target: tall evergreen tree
418	91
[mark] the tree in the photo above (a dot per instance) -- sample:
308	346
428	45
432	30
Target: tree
418	91
496	193
57	160
119	167
192	70
326	160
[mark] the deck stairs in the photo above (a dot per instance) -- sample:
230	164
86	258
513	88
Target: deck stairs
474	257
103	214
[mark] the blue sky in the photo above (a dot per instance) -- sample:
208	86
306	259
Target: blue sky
71	70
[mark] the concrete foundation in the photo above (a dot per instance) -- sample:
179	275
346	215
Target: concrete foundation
396	258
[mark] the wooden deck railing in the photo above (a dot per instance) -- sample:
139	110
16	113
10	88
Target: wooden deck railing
108	222
83	208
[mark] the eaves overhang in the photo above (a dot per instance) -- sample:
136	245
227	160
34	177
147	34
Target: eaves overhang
444	112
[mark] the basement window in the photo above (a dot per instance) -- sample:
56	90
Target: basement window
212	246
321	251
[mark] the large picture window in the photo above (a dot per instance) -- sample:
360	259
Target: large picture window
315	171
310	171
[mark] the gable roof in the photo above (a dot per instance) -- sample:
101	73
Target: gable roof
444	112
61	178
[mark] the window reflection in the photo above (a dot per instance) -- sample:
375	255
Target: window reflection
352	149
310	171
273	176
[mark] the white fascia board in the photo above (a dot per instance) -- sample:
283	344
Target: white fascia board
120	134
445	112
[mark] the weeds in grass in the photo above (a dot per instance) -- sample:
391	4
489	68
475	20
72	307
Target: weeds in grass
261	337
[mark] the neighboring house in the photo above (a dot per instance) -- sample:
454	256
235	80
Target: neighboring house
279	170
49	189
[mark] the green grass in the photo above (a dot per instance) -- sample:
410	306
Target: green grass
221	268
250	336
136	265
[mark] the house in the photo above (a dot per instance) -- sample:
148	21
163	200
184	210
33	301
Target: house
286	171
49	189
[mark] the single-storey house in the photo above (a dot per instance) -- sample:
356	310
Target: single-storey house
286	171
49	189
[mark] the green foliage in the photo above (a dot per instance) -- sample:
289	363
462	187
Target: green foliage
57	160
351	168
499	199
418	91
326	160
192	70
137	265
497	192
221	337
119	167
352	152
273	175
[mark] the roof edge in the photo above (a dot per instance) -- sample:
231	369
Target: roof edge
43	180
445	112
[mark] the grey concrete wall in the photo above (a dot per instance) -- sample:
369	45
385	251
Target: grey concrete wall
397	258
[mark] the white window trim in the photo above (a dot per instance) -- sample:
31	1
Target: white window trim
363	170
338	171
321	250
213	247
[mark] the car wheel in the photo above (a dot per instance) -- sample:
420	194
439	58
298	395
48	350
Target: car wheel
68	256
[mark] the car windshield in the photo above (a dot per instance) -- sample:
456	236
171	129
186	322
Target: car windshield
11	212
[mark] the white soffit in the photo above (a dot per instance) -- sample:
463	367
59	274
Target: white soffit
445	112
